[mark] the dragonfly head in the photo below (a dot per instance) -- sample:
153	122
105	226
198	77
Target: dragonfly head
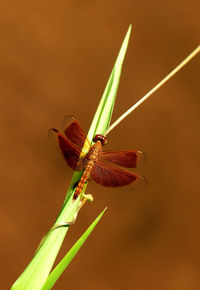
100	138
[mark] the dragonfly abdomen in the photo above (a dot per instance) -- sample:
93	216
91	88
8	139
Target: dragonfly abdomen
83	179
92	156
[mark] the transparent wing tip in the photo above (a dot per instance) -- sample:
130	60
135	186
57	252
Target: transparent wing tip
141	158
52	130
67	120
141	183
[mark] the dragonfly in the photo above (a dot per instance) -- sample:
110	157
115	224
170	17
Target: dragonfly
96	163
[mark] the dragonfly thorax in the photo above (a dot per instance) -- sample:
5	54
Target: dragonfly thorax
95	151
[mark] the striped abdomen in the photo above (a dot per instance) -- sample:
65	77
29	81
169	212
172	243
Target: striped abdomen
83	179
92	157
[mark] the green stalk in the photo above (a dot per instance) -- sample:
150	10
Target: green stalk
36	273
59	269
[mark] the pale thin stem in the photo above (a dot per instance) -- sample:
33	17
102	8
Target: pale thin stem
171	74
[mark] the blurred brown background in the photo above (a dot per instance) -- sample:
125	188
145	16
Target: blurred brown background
55	60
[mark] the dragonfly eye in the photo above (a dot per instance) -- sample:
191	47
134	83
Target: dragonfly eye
100	138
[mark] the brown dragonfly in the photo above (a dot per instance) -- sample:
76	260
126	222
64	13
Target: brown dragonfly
96	163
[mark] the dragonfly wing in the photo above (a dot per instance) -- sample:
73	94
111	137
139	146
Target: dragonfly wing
74	132
126	158
69	150
111	176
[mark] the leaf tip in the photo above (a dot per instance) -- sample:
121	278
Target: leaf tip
99	217
128	31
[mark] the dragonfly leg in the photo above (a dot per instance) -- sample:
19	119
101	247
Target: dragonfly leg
86	197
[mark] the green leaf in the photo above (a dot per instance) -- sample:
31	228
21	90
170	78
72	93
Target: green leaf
101	120
36	273
59	269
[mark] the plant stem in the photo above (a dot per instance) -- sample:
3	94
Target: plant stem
171	74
